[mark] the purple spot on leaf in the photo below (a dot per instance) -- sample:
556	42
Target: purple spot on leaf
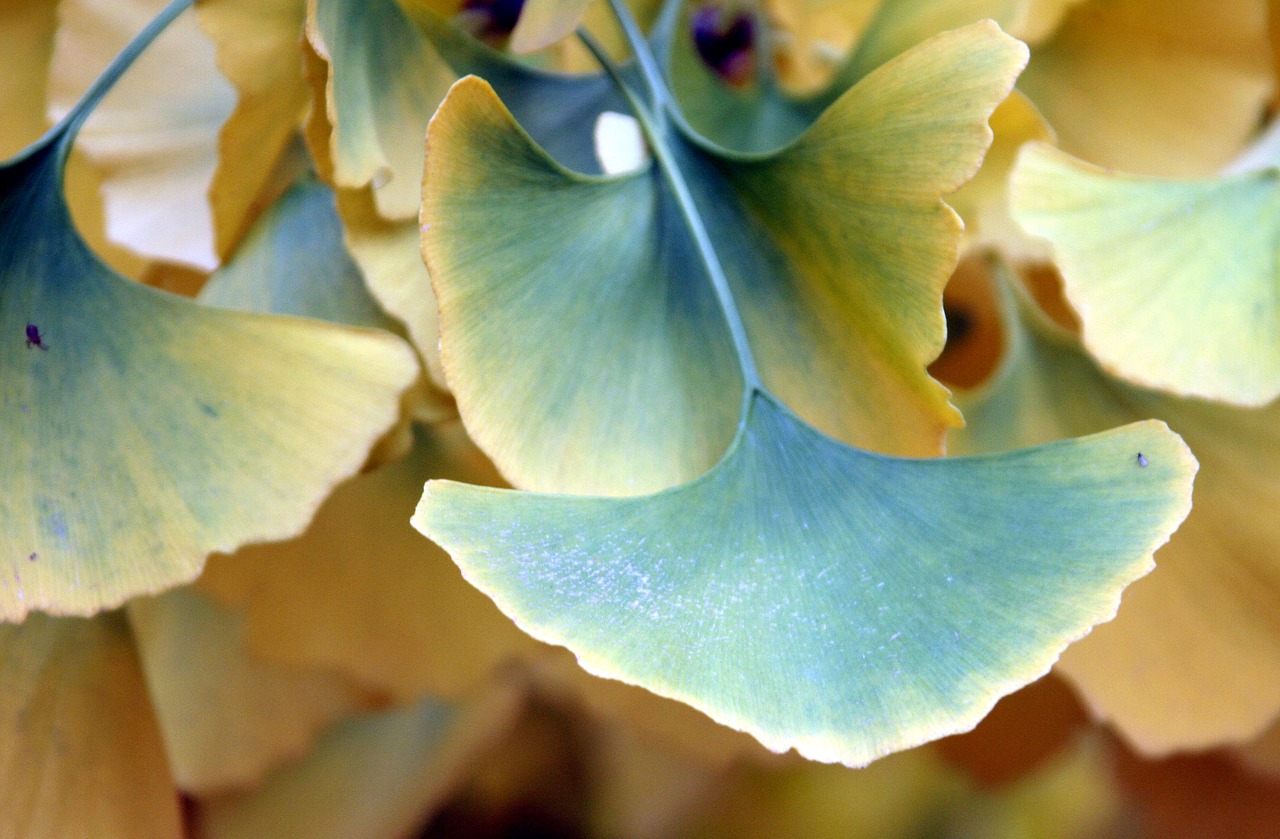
490	20
34	338
726	42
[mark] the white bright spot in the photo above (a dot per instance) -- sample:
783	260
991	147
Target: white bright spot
620	145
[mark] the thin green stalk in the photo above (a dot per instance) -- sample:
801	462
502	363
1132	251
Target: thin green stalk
684	197
649	68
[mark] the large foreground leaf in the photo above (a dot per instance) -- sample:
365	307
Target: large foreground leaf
1193	659
821	597
1177	282
143	431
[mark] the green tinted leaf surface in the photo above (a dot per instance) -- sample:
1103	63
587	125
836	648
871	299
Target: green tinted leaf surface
1177	282
294	263
825	598
384	83
762	117
146	431
1193	658
837	248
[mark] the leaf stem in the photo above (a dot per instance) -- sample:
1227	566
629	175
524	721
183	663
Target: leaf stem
64	133
649	68
675	179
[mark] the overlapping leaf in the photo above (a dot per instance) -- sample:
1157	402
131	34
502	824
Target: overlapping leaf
144	431
155	139
1153	86
227	718
822	597
744	591
1176	281
258	50
80	753
1193	659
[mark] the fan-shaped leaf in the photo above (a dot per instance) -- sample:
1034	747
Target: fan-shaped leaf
143	431
837	248
821	597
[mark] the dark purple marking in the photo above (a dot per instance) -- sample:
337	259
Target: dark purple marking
490	20
33	557
1142	459
726	42
34	338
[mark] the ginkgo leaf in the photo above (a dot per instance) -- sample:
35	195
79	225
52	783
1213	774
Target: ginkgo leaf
820	597
144	431
837	247
384	82
258	49
227	718
543	22
557	108
1193	659
1175	281
389	255
1158	87
80	753
155	137
361	593
378	775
